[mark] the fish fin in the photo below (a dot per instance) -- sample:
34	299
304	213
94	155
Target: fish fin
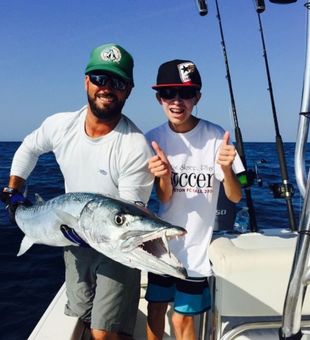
27	242
39	199
25	194
66	218
72	236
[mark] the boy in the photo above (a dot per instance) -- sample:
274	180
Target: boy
192	157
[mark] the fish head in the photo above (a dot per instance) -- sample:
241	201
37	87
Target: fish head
131	234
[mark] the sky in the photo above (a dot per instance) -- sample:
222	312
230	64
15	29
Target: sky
45	46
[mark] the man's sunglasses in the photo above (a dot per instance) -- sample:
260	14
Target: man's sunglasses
102	79
183	92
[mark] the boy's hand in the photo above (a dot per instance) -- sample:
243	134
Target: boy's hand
159	164
227	153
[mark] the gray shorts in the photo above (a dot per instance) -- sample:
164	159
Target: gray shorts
101	291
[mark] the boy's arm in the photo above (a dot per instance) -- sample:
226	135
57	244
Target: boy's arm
232	186
226	157
161	169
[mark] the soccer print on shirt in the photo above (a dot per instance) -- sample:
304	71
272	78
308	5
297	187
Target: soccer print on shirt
195	179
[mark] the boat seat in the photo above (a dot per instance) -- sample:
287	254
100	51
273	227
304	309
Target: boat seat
252	272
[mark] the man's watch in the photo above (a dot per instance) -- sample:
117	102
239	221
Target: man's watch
9	190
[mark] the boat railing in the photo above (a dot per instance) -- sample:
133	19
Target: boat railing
299	278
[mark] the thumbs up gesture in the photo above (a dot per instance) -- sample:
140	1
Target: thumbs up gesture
227	153
159	164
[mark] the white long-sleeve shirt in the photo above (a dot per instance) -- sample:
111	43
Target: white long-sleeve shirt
114	164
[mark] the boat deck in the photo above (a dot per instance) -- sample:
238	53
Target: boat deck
251	273
55	325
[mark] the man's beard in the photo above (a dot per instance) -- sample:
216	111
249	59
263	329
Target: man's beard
105	113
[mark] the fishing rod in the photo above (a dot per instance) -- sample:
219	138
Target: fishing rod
246	177
285	189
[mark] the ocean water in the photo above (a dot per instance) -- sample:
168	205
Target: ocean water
28	283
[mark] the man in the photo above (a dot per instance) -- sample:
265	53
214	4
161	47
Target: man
98	150
192	157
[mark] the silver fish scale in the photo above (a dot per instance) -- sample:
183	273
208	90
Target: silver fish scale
73	202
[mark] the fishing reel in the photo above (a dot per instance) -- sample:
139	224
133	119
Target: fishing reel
246	178
249	177
281	190
259	179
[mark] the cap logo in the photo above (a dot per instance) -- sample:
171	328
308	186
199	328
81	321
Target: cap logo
112	54
185	71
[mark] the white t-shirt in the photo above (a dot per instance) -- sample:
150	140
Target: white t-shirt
115	164
196	178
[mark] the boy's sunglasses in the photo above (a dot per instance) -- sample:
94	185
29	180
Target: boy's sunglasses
102	79
183	92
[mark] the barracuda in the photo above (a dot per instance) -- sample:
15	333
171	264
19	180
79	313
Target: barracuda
125	232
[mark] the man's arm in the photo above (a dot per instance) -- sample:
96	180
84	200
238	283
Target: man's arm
16	182
24	161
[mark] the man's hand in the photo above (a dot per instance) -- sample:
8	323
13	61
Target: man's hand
227	153
12	198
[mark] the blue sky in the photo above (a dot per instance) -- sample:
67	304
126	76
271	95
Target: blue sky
45	46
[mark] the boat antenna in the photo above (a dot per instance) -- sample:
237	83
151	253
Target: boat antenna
285	189
246	178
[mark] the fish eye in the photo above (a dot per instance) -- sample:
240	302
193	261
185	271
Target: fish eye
119	219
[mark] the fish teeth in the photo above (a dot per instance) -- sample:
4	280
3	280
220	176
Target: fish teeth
164	238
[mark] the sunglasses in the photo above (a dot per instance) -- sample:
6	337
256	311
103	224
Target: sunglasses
183	92
102	79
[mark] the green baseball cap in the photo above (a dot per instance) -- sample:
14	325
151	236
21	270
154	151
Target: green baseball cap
111	58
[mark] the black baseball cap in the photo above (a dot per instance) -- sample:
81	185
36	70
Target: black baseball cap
177	72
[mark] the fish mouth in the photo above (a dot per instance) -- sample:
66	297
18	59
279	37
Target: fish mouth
157	244
153	249
154	242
